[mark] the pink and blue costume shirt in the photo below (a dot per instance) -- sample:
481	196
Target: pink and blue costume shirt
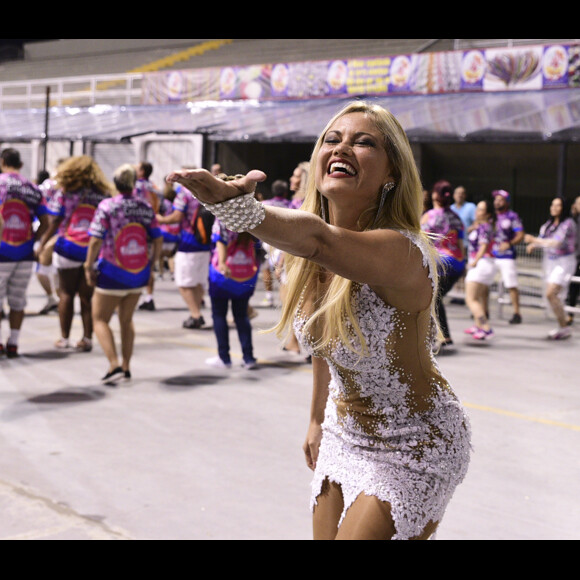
507	225
186	203
76	210
242	261
125	224
450	235
171	232
48	188
20	203
478	237
147	191
564	234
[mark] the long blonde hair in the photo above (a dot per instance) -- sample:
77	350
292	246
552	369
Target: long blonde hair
401	211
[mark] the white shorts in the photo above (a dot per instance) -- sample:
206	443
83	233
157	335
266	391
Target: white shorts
191	269
509	272
483	272
560	270
62	263
14	279
168	247
121	293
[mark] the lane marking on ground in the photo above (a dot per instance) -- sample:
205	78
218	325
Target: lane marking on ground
515	415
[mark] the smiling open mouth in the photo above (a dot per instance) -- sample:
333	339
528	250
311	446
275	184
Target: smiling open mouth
338	167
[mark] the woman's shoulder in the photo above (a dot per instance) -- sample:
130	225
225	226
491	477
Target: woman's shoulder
416	238
420	241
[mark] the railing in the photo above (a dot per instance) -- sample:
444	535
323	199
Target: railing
531	284
529	294
81	91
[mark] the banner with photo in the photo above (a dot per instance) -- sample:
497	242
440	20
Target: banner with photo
535	67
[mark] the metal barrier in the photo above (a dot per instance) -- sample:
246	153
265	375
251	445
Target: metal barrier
80	91
532	293
531	284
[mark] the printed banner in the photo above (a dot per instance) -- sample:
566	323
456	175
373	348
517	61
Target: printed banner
494	69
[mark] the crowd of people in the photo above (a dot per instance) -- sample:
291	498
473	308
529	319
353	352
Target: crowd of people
477	242
362	272
105	242
54	223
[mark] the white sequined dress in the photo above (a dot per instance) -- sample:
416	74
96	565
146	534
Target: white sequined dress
393	427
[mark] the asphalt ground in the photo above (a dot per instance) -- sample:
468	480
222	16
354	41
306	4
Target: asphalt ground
189	452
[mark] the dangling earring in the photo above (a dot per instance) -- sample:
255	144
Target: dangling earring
322	208
386	188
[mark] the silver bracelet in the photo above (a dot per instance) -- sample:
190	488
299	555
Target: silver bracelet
239	214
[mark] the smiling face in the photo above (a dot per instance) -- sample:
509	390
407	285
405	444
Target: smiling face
352	165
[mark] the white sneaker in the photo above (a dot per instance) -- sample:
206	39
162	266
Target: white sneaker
51	304
218	363
560	333
250	365
62	343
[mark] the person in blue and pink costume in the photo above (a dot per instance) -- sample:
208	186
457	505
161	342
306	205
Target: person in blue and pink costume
46	273
509	231
558	239
192	256
120	231
448	234
81	186
233	274
20	202
481	272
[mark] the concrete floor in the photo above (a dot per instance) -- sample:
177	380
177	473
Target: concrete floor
190	452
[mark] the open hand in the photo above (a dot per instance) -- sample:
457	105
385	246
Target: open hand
211	189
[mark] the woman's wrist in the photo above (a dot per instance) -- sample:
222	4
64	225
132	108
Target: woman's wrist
239	214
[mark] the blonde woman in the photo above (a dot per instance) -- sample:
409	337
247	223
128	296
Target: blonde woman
388	439
298	181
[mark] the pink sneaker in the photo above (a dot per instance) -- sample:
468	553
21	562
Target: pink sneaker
471	330
483	334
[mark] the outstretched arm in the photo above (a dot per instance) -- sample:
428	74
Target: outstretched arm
384	259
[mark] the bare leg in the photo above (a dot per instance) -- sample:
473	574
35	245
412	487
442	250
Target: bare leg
327	512
192	297
515	299
85	296
103	308
126	310
476	299
69	283
553	295
16	317
368	518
